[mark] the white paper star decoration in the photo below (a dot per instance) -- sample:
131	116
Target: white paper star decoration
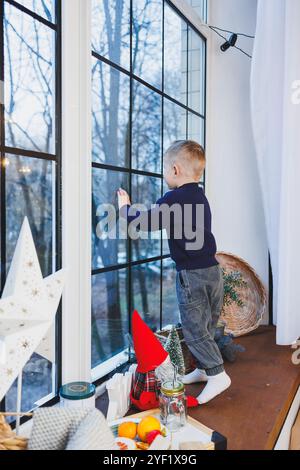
27	308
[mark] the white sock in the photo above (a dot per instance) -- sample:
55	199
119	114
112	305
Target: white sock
197	375
216	384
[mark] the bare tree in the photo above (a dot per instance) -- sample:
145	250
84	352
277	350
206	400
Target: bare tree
112	136
27	50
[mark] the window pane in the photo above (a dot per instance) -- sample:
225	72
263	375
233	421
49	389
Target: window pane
110	102
146	129
109	315
175	123
170	310
146	292
196	129
30	191
151	128
106	252
111	30
146	191
175	115
44	8
175	128
165	243
196	72
147	40
38	382
200	6
175	56
29	82
196	132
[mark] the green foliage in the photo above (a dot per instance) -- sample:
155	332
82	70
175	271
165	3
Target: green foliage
233	280
173	347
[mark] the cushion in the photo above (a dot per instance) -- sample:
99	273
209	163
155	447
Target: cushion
52	427
93	433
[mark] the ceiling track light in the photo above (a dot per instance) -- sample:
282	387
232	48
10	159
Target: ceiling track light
231	42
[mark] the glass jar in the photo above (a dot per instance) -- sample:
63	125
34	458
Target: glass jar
78	395
173	408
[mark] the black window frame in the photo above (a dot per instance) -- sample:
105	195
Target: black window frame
130	170
57	158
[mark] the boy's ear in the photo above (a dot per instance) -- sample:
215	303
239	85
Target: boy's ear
176	170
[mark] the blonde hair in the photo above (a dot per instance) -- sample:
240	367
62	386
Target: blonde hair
189	154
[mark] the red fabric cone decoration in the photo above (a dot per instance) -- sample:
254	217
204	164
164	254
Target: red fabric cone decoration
149	354
191	402
148	350
145	391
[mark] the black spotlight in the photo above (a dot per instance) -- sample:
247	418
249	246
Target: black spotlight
230	43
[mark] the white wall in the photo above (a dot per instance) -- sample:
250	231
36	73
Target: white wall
232	178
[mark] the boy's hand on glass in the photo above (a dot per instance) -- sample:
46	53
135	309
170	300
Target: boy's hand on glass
123	198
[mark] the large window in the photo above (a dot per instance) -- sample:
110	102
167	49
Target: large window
148	89
30	161
200	6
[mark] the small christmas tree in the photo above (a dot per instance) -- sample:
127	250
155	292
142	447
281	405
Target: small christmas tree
173	347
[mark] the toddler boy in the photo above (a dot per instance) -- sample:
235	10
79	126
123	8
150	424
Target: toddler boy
199	281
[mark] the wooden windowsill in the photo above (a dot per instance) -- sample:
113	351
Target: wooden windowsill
264	383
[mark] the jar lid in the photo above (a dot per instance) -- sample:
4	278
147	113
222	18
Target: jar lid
77	390
172	388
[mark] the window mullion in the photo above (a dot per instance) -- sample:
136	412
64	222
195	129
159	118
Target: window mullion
76	175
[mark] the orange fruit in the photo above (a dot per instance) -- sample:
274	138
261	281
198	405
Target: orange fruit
147	425
127	429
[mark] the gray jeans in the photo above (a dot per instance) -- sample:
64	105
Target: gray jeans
200	294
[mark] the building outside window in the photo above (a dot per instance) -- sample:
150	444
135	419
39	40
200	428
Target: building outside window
148	89
30	162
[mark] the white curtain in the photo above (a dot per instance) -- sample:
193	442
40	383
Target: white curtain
276	126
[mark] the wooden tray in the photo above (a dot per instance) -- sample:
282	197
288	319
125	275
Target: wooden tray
212	440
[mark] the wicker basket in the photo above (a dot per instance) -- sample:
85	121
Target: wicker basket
8	439
242	320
